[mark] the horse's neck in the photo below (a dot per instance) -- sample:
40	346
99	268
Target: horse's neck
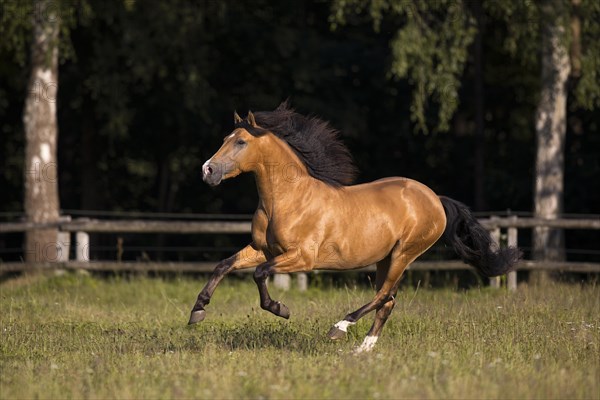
281	181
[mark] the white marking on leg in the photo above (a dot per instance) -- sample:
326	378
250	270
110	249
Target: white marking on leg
367	344
343	325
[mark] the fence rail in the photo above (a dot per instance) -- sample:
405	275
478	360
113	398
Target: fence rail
82	227
149	226
208	266
514	222
132	226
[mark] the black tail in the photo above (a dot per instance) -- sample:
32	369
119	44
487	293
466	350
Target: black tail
473	243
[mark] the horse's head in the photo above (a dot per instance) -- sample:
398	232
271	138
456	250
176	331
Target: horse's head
238	153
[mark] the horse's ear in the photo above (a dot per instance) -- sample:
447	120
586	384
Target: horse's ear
285	105
251	120
236	118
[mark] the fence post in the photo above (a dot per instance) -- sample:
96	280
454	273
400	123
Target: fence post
511	279
282	281
64	246
64	241
302	280
82	248
495	233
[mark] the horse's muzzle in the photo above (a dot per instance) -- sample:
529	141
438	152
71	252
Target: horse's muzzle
211	173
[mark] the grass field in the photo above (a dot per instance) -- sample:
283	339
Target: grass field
81	337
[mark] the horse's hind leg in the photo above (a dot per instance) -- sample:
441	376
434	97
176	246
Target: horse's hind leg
383	267
401	257
381	317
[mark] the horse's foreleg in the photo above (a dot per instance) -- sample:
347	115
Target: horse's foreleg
290	261
248	257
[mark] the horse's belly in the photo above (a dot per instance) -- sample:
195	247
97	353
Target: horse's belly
348	254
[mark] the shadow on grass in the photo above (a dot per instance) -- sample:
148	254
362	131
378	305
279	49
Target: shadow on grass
25	341
305	337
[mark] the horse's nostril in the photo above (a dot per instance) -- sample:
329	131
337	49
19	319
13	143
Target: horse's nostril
207	169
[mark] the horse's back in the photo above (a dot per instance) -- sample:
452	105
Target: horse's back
409	204
399	188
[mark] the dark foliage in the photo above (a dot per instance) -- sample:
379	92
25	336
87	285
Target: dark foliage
147	89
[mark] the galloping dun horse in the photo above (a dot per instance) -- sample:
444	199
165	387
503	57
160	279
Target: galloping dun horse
309	216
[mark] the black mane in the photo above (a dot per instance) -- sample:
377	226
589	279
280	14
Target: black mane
313	140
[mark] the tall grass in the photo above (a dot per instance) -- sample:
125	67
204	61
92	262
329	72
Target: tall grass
81	337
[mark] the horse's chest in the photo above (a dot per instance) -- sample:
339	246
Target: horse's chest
276	240
274	237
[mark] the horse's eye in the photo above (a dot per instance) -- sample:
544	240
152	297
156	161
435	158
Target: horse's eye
240	142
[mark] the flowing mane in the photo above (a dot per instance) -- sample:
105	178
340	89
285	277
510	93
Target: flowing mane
316	143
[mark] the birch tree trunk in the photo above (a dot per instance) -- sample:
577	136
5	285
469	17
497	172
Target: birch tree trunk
39	119
548	244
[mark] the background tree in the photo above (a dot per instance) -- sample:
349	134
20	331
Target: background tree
41	202
551	129
33	35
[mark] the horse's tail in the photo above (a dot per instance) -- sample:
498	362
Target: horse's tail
473	243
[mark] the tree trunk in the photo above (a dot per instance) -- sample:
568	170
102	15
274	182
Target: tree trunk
548	244
39	118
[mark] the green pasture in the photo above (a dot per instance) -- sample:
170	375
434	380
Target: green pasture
76	336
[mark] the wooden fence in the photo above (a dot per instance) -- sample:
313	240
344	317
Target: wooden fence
79	229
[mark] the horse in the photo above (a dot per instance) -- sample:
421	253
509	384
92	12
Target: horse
311	217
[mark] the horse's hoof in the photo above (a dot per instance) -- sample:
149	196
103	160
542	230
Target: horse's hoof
367	345
336	333
197	316
283	311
